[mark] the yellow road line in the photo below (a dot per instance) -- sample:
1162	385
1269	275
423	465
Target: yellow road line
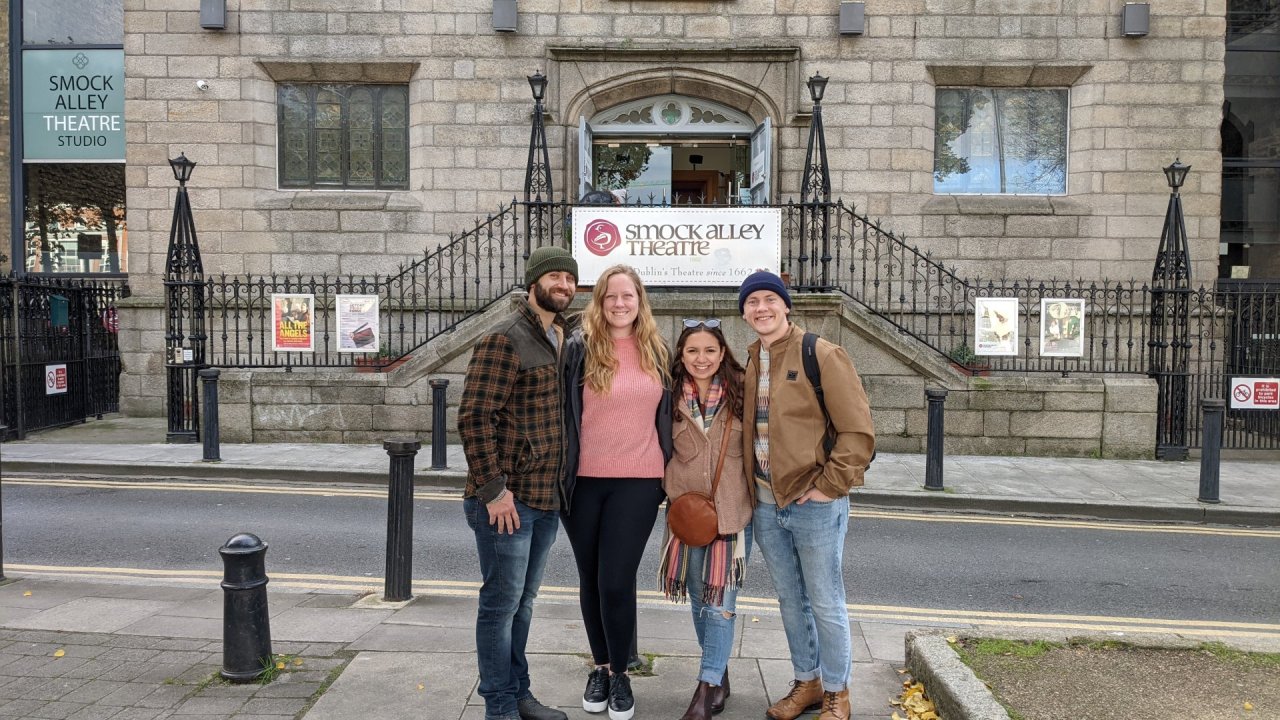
1063	523
746	604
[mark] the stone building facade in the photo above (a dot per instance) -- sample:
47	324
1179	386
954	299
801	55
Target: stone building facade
1133	105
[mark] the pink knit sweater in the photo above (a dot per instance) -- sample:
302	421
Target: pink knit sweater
619	438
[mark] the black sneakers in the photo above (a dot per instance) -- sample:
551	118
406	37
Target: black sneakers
531	709
596	697
621	704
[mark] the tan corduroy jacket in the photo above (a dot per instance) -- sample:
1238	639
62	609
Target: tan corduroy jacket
797	460
694	464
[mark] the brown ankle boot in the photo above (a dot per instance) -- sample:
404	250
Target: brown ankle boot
804	695
720	693
700	705
835	705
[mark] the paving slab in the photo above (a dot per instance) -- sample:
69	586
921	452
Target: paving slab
92	614
399	685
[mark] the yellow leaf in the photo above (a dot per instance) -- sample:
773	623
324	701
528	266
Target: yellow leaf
1248	706
279	664
896	716
59	652
421	686
26	594
755	619
903	671
953	639
298	661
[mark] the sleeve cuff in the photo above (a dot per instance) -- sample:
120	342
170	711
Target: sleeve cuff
489	491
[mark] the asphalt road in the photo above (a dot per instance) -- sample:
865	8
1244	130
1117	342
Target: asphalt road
892	559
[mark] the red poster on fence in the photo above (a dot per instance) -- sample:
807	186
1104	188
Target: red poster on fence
293	322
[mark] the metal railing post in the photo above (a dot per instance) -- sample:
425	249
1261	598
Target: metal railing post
246	625
439	439
1214	410
933	456
399	579
210	430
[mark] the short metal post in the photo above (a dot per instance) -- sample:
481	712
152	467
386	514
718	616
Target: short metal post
933	456
212	438
1211	449
399	580
439	460
246	626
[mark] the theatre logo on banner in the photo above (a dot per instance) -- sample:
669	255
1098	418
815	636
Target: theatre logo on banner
678	246
73	106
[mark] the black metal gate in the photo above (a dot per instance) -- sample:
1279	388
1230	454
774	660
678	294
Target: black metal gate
59	354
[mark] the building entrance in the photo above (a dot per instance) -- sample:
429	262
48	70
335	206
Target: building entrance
675	149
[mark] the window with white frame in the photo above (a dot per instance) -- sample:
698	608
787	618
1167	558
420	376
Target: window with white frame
1010	141
343	136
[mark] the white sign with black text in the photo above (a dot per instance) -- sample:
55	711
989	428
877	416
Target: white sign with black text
678	246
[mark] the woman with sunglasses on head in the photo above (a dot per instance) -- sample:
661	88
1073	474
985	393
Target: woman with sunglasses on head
618	436
707	438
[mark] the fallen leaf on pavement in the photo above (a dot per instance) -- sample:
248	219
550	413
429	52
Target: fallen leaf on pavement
59	652
26	594
421	686
952	639
297	661
1248	706
279	664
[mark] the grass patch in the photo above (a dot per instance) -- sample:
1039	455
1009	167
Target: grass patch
1016	648
646	669
1229	654
272	667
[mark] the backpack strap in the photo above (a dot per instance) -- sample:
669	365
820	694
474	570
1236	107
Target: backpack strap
813	371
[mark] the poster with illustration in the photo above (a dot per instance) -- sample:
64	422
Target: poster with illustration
291	318
995	326
357	323
1062	327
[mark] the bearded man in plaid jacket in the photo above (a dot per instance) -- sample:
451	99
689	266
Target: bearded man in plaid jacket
512	430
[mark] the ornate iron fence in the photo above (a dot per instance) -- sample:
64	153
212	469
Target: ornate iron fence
59	354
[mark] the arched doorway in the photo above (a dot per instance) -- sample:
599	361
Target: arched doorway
677	149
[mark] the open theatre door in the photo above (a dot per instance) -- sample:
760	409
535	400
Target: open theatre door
761	167
585	177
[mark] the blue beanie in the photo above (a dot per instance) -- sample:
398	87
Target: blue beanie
762	280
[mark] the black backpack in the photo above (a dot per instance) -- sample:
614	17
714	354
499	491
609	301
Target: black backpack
809	354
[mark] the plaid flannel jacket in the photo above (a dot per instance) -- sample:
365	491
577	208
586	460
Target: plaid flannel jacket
510	418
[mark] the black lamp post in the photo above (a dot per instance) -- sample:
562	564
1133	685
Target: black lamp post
1170	342
815	197
538	188
184	313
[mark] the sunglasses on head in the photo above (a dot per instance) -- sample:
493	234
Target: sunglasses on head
709	323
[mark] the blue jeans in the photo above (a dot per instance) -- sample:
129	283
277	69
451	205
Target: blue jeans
713	624
511	567
803	545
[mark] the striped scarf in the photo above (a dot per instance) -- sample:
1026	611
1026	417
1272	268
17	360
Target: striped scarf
724	563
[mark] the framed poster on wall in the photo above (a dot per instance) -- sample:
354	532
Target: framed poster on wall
1062	327
995	326
292	322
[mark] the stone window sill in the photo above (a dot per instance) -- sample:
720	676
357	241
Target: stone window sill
1004	205
392	200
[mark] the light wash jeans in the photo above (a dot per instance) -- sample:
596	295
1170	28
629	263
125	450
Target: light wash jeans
714	629
803	545
511	567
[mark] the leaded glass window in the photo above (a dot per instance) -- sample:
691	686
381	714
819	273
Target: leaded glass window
343	136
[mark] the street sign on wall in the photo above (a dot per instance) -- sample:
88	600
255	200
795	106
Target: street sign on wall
678	246
1255	394
55	379
73	106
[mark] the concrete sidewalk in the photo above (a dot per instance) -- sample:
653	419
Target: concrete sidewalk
1118	489
85	649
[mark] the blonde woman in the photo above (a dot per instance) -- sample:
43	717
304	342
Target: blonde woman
618	432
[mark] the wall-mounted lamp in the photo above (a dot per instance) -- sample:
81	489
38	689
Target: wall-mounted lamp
695	161
213	14
1135	20
853	18
505	16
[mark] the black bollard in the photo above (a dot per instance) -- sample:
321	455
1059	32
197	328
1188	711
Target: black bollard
1211	448
212	440
246	627
438	439
933	452
399	581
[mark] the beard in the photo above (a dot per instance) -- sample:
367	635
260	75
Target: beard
548	302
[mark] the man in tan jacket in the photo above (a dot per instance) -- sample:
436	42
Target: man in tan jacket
803	488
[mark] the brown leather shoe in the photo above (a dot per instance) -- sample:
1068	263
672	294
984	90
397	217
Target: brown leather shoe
700	705
720	693
835	705
804	695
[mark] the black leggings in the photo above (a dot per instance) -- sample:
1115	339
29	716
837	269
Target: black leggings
608	527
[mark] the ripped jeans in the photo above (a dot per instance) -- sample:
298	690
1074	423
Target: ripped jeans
714	625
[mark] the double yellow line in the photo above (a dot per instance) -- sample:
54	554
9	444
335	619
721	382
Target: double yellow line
316	582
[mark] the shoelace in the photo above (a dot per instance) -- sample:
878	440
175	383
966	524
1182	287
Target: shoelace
829	701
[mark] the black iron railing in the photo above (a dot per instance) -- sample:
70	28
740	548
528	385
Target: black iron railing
59	353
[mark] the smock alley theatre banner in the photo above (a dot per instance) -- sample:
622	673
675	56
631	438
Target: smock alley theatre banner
73	106
678	246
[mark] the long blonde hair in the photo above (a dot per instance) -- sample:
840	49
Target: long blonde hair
601	363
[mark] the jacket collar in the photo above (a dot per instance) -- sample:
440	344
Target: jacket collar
529	314
793	331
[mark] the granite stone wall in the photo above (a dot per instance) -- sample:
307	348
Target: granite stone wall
1135	104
